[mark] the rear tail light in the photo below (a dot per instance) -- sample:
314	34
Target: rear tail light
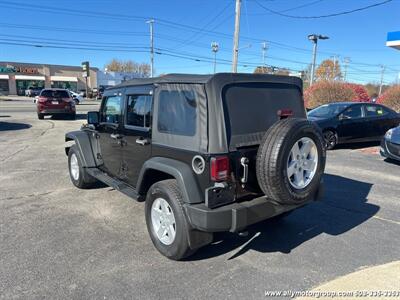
42	99
219	168
285	113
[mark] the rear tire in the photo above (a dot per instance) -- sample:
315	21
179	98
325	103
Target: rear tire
79	177
166	220
291	161
40	116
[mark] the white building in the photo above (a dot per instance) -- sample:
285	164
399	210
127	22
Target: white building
106	78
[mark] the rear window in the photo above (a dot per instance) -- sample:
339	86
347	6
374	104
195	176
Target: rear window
251	108
54	94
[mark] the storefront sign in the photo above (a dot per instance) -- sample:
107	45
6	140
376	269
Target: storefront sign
19	70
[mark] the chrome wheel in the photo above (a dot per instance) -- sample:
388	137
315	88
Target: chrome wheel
163	221
330	139
302	163
74	166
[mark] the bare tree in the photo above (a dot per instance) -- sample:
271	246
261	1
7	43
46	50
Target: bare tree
128	66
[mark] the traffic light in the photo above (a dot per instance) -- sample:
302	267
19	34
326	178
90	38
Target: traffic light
85	69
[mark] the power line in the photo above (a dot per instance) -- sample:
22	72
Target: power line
290	9
323	16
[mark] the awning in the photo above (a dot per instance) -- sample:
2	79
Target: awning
393	39
4	76
28	77
64	78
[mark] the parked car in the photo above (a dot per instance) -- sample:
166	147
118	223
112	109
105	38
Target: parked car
349	122
55	102
76	97
32	91
390	145
101	90
207	153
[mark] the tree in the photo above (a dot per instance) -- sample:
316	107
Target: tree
271	70
391	98
373	89
324	92
328	70
128	66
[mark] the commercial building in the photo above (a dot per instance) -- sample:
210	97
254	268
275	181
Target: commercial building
393	40
107	78
16	77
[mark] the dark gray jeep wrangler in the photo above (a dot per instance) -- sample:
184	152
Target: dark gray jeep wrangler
206	153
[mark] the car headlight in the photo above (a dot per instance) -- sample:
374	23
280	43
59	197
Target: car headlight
388	134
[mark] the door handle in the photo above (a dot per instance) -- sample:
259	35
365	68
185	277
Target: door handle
116	136
142	141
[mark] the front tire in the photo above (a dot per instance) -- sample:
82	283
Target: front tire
79	177
166	220
331	139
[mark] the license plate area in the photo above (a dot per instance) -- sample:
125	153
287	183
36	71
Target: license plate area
54	102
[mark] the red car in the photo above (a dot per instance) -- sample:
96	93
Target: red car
55	102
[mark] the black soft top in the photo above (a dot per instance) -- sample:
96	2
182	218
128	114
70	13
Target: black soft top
216	80
216	133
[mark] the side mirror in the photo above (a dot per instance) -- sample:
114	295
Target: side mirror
343	117
93	117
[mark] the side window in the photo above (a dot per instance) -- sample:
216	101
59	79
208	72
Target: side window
353	112
177	112
375	111
139	110
112	110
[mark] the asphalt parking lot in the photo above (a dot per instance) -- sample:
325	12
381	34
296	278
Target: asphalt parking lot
60	242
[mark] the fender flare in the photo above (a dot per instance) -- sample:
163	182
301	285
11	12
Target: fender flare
83	143
177	169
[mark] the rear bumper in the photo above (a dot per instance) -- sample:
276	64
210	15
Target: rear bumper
53	111
237	216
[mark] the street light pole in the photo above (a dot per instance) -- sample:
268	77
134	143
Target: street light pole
313	62
151	22
215	48
314	38
235	51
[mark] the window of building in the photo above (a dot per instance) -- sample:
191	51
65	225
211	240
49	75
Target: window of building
68	85
177	112
139	110
4	88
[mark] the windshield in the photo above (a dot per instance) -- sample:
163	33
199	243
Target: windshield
328	110
55	94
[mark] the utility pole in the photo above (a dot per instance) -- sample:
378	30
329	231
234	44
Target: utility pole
314	39
215	48
346	62
151	22
264	48
382	73
236	37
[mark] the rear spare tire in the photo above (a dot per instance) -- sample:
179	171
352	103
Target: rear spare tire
291	161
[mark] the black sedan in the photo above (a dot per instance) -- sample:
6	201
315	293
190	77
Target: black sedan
348	122
390	146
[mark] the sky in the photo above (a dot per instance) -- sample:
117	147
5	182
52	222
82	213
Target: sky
69	32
